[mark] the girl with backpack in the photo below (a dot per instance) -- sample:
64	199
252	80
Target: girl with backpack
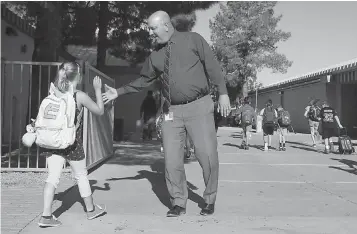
312	113
248	117
284	122
269	115
68	76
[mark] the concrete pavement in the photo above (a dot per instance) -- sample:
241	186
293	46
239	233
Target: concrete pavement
297	191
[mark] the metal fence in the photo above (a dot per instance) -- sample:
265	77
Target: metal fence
23	87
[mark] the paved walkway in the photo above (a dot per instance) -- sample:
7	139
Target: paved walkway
298	191
21	204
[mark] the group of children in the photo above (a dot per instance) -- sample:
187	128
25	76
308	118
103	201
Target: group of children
272	118
279	119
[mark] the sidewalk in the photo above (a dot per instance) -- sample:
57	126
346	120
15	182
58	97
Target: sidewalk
298	191
22	198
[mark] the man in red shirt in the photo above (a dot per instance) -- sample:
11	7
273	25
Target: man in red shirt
185	62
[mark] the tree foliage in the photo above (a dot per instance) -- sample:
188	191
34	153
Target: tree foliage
245	37
130	38
122	25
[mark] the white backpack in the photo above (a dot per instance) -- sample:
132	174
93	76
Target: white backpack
54	125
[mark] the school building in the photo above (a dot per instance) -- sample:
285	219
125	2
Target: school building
336	84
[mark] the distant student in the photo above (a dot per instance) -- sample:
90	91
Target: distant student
269	120
328	115
248	115
284	122
148	111
312	113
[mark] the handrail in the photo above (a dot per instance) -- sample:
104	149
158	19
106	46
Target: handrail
30	63
99	72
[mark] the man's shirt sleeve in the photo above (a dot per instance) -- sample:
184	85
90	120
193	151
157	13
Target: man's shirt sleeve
211	65
147	77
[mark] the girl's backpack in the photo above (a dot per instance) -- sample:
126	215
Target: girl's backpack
54	125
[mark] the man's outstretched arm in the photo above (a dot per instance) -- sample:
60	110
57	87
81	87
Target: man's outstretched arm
147	77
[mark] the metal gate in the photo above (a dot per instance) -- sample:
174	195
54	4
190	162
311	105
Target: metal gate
23	86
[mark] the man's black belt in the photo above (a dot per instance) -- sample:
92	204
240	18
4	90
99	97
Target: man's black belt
201	95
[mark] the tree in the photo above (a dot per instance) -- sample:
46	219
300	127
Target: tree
130	38
244	39
122	25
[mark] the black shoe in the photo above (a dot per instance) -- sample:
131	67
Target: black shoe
207	210
176	211
187	156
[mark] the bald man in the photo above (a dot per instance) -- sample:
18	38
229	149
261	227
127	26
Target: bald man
183	63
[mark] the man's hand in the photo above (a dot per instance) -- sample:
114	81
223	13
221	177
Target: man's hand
224	105
110	94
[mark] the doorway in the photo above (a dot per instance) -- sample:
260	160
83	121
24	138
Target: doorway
349	108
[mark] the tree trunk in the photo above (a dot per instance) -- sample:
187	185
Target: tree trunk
102	34
48	37
48	33
245	89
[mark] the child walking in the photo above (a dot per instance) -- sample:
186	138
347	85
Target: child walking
312	113
283	123
269	120
328	115
68	77
248	116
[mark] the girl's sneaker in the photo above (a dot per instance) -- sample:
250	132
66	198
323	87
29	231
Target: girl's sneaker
98	210
327	151
49	222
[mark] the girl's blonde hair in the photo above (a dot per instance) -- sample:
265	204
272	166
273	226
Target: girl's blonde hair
67	73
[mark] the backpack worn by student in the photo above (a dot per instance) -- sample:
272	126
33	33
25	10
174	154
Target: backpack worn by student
314	113
54	124
269	115
344	143
284	118
247	117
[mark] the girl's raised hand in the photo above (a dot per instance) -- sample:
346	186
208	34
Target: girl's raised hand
97	83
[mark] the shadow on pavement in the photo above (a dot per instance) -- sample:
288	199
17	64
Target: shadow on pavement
258	147
157	179
305	148
72	196
297	143
140	153
350	163
233	145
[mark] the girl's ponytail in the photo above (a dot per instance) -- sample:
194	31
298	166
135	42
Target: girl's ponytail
62	83
67	73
